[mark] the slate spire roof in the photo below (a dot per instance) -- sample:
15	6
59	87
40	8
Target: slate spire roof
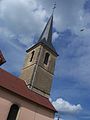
46	36
47	32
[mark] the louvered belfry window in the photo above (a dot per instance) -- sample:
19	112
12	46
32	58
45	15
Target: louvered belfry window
46	58
32	54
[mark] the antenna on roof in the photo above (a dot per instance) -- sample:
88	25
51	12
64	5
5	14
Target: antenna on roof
54	7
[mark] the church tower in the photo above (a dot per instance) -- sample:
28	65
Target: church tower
39	64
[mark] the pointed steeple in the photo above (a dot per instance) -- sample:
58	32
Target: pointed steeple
47	32
46	36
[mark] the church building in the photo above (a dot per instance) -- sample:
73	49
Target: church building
27	97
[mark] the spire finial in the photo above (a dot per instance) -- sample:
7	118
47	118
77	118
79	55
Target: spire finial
54	7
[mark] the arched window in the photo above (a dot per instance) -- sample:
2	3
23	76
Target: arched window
32	54
46	58
13	112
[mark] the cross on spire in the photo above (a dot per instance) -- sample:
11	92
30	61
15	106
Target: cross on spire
54	7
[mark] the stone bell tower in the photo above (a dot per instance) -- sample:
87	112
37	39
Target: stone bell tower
39	64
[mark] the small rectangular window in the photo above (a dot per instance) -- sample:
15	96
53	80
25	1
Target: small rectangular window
32	54
46	58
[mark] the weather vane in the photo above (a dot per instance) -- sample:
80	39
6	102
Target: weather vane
54	7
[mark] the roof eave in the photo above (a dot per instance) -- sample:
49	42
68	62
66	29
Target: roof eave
41	43
53	109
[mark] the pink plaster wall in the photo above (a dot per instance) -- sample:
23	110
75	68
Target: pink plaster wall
4	108
27	114
27	111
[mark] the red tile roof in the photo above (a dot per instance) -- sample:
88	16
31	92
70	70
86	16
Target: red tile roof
18	86
2	60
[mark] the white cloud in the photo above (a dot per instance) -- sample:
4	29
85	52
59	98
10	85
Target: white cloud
55	36
23	18
68	15
64	106
27	17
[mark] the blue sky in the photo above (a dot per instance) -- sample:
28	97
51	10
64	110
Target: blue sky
21	23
